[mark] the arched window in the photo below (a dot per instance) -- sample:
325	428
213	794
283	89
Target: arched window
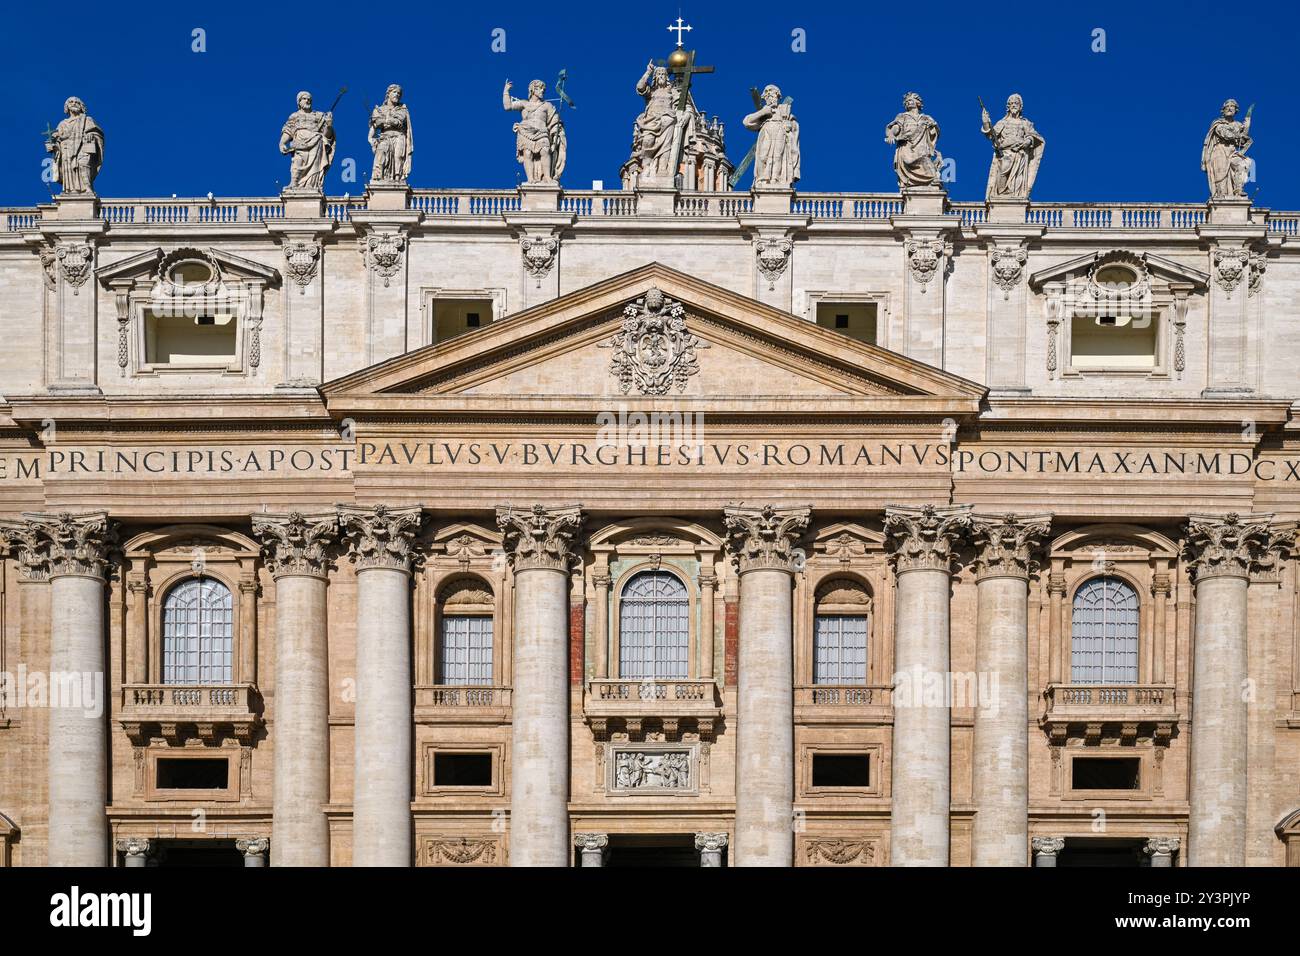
198	633
840	633
653	628
1104	633
465	636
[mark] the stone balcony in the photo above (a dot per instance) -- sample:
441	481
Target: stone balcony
176	711
843	703
673	706
1109	710
462	704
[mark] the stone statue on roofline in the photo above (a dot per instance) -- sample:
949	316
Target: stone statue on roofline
913	135
390	138
776	154
308	137
1017	152
78	147
1223	154
540	144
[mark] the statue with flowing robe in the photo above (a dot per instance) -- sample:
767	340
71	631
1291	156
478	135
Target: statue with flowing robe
540	144
1223	155
309	138
1017	152
776	154
390	139
913	136
656	129
78	145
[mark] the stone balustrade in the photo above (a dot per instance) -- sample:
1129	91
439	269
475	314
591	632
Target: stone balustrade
1111	701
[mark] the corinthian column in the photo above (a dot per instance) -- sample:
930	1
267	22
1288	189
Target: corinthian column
539	545
74	551
296	549
1221	551
920	541
379	543
762	546
1004	559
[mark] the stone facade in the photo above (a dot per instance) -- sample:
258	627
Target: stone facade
379	414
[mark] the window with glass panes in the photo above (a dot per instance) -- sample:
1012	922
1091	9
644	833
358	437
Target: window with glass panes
465	649
1104	633
654	628
840	649
198	633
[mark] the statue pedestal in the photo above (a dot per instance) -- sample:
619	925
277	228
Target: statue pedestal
302	203
76	206
771	201
539	197
1008	211
1230	211
655	198
924	200
388	197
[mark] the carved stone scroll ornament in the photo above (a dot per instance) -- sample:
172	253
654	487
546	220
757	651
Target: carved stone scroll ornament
653	351
924	257
773	257
383	254
1230	267
538	537
462	852
922	539
841	852
711	842
379	537
300	261
1008	266
57	544
74	260
253	846
1006	545
1233	545
296	543
764	538
539	255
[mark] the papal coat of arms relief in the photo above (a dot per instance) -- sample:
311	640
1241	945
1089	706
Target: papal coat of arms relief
654	352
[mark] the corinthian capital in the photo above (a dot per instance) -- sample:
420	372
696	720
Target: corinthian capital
921	539
296	543
1233	545
539	537
764	538
1007	544
49	545
379	537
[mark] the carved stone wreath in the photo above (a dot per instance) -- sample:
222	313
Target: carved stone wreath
383	254
653	351
300	261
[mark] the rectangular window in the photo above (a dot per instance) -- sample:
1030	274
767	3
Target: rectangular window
1105	773
840	649
857	320
193	773
1116	342
462	770
841	770
465	649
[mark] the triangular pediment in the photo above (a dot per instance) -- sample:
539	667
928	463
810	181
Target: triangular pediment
1159	267
147	265
653	333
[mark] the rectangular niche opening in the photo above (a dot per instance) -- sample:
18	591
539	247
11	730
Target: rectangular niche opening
462	770
193	773
1106	773
207	339
857	320
1113	342
841	770
453	317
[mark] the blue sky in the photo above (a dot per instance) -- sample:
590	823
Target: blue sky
1126	124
